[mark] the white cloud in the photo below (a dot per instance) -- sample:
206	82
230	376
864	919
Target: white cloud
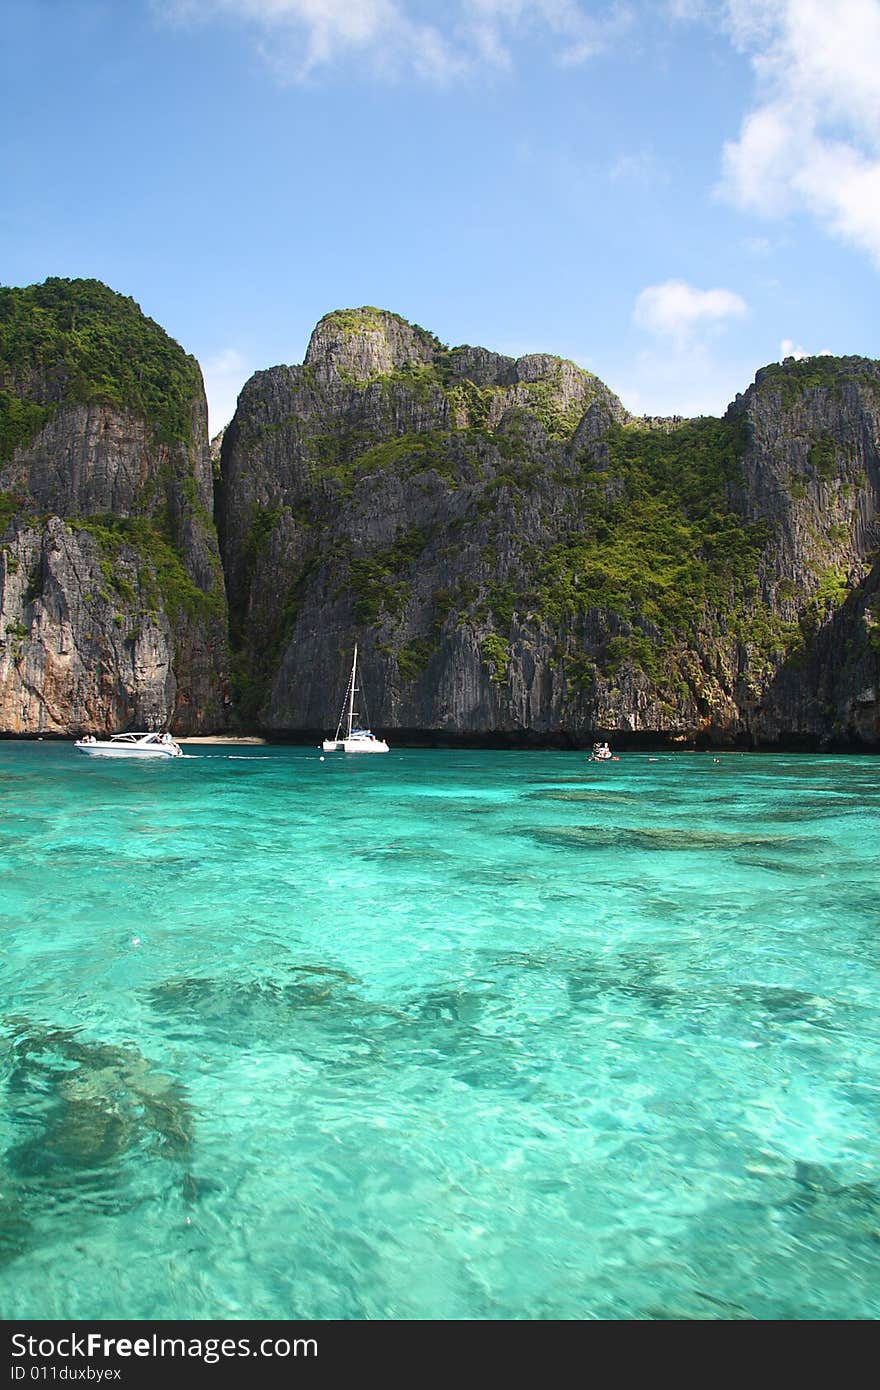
788	348
687	9
301	37
677	310
224	375
688	380
577	32
680	375
812	141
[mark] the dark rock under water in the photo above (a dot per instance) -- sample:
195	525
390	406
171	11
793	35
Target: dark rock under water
78	1110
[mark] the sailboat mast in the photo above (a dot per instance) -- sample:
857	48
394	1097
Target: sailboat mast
351	691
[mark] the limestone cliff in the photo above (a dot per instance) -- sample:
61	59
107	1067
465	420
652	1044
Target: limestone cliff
112	609
521	559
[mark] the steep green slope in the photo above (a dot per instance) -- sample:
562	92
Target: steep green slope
75	342
110	576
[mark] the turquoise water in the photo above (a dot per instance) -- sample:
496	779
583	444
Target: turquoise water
439	1035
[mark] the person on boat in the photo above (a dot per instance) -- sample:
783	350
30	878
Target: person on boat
602	753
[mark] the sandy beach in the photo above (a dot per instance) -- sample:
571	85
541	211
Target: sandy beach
218	738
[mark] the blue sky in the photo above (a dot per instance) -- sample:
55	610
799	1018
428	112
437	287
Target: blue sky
672	193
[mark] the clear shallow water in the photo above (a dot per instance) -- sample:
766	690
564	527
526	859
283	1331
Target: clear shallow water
438	1035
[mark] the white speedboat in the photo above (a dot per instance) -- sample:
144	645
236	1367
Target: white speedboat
602	754
129	746
353	739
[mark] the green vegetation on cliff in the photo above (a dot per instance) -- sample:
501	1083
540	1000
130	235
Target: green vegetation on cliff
20	420
9	505
496	656
654	540
645	538
793	378
352	323
346	456
379	581
163	580
479	386
77	342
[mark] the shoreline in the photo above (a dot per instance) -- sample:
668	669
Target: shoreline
220	738
622	742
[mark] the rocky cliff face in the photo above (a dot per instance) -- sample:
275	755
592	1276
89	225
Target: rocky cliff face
112	611
520	558
811	475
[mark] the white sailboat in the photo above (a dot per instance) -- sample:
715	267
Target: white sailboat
354	739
